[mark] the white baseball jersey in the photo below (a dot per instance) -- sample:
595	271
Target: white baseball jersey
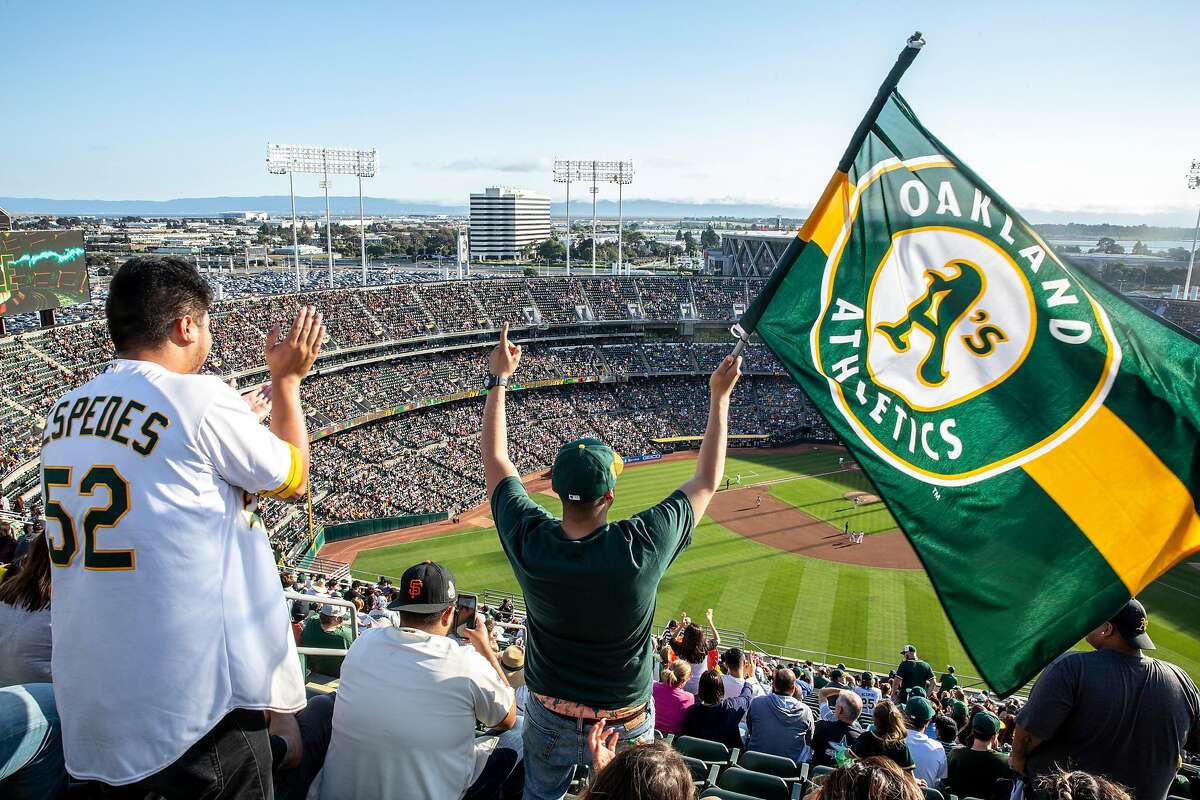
168	611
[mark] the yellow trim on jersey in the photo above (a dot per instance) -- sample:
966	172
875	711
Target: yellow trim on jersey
291	483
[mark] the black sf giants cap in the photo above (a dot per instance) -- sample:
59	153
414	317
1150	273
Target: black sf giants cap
425	588
1130	621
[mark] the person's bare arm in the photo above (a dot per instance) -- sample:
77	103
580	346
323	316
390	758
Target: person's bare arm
289	360
494	442
478	637
708	616
1023	744
711	463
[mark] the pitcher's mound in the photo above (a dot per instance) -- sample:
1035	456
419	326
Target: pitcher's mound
860	498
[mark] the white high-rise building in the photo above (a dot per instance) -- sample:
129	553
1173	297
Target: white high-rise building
504	220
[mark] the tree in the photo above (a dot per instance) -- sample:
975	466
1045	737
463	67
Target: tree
710	238
1140	249
530	272
305	234
552	250
689	243
1108	245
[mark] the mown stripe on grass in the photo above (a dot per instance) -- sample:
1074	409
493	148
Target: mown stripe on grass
777	603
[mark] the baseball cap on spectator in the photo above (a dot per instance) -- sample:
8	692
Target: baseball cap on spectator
584	470
512	661
908	648
958	710
837	674
867	677
986	725
917	691
979	698
424	588
1130	622
841	667
919	710
334	612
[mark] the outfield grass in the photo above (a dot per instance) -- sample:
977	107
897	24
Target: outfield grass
849	612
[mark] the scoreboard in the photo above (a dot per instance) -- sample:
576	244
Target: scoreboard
42	269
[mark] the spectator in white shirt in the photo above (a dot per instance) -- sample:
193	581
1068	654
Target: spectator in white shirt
928	753
869	694
734	660
404	722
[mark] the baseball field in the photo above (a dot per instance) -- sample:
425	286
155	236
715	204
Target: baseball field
780	569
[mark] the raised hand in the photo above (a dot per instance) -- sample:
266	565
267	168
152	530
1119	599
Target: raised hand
290	358
505	356
725	377
603	745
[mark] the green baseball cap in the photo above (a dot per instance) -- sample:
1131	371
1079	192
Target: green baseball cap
584	470
985	725
958	709
919	710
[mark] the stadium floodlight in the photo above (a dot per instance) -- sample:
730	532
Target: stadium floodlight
1193	182
565	172
290	158
618	172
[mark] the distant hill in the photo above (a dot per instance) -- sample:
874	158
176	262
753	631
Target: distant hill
1056	224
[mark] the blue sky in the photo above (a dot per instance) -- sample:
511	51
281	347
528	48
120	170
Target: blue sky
1089	106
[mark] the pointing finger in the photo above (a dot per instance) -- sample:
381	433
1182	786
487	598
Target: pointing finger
504	334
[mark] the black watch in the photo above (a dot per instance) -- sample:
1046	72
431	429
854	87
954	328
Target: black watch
493	380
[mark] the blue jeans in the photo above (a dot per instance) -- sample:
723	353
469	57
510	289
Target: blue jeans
501	765
31	755
554	746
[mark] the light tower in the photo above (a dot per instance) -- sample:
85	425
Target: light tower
1193	182
565	172
324	161
618	172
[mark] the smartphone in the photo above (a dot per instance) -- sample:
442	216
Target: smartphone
465	611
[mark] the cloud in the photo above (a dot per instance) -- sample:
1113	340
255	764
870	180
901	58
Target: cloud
486	165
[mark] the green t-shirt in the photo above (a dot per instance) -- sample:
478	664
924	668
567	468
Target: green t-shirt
314	635
948	681
913	674
590	602
973	773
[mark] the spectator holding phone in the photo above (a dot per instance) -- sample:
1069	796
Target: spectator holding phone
589	583
404	722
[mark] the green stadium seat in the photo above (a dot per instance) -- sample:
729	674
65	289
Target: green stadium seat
703	775
778	766
707	751
755	784
724	794
819	773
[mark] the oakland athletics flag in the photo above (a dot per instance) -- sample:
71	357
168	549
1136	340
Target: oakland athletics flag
1033	432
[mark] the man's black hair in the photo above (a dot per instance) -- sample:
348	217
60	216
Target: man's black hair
147	295
412	619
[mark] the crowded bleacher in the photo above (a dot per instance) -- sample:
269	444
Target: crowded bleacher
407	690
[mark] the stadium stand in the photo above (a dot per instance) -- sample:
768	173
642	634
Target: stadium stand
394	405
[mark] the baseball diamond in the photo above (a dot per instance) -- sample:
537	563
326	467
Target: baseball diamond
793	583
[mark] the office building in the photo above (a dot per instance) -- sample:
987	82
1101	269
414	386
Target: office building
505	220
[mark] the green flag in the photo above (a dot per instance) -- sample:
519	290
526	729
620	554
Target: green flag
1032	431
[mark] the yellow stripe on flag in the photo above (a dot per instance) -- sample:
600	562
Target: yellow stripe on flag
1134	510
829	215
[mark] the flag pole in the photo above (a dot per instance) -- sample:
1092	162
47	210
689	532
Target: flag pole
749	321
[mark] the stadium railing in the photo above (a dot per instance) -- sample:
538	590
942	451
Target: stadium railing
325	601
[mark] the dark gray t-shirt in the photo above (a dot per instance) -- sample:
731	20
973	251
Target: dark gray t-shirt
1127	718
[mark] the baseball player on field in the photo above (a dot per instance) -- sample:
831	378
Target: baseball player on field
171	636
